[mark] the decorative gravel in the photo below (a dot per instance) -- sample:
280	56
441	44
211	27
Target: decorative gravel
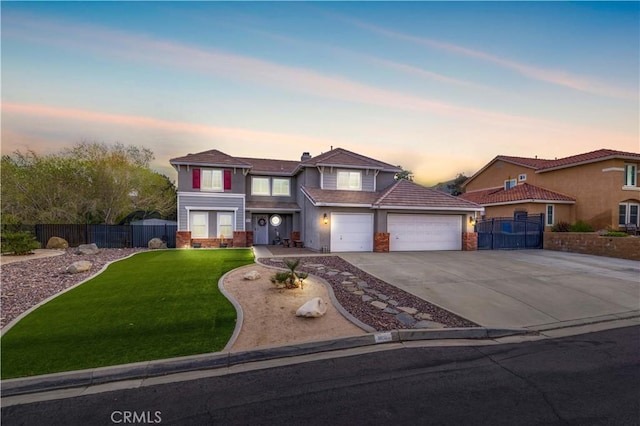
373	301
29	282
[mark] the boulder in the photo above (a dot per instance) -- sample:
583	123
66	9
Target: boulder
156	243
57	243
314	308
87	249
252	275
79	266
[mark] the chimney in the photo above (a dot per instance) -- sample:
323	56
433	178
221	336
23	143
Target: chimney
305	156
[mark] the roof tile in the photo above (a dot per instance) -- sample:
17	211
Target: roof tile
522	192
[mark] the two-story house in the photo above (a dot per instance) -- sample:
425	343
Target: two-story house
337	201
599	187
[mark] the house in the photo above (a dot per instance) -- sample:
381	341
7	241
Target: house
599	188
337	201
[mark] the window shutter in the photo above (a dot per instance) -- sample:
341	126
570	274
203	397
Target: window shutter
227	180
196	178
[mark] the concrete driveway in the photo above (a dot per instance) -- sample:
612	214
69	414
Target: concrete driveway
537	289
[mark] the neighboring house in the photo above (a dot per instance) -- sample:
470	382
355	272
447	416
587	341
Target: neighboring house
337	201
599	187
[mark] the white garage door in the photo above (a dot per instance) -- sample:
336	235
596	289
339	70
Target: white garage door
351	232
413	232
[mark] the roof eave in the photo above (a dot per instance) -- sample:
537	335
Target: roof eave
440	208
593	160
504	203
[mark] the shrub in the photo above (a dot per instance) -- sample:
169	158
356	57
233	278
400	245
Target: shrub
18	243
561	227
616	234
581	226
290	278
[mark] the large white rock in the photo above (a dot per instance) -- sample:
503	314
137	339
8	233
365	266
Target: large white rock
79	266
156	243
87	249
252	275
314	308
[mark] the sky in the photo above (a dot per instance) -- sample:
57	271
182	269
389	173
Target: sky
438	88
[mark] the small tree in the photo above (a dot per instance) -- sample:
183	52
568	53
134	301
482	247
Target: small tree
18	243
290	278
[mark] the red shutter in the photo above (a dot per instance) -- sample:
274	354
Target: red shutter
196	178
227	180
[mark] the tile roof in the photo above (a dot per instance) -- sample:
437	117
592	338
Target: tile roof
540	164
408	194
263	165
519	193
212	157
402	194
341	157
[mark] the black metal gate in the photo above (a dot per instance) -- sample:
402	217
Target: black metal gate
506	233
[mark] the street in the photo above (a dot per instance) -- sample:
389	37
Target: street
586	379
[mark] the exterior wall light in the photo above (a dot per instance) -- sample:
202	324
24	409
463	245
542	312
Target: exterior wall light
325	219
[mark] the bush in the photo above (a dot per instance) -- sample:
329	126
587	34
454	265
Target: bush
616	234
561	227
290	278
581	226
18	243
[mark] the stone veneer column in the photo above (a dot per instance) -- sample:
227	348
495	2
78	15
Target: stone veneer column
381	242
469	241
183	239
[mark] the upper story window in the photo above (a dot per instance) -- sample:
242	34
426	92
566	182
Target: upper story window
522	177
260	186
630	175
509	183
349	180
280	187
211	179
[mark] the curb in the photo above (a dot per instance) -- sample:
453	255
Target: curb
217	360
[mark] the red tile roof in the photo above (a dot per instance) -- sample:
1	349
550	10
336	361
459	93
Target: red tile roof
540	164
341	157
408	194
519	193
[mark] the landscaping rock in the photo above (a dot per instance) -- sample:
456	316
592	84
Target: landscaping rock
156	243
252	275
428	324
405	318
378	304
314	308
87	249
57	243
410	311
79	266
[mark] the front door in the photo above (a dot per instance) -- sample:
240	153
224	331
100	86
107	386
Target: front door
260	229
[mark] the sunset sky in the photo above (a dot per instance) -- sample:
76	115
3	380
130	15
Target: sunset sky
435	87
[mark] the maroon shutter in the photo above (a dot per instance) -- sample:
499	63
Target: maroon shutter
227	180
196	178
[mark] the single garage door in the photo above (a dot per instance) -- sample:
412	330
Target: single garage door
415	232
351	232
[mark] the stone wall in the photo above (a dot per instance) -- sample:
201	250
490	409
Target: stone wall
592	243
381	242
469	241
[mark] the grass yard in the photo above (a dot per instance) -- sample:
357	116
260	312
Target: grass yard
154	305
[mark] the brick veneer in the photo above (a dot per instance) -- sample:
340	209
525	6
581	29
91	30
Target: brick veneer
381	242
242	238
469	241
183	239
592	243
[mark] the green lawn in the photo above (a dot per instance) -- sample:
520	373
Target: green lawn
154	305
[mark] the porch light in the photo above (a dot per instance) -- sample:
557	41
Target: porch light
472	220
325	219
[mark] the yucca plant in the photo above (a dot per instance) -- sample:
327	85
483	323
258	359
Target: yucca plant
290	278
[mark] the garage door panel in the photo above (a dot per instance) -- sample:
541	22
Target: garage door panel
424	232
351	232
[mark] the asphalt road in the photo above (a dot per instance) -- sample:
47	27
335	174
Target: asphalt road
589	379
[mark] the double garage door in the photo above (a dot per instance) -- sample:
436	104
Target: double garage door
408	232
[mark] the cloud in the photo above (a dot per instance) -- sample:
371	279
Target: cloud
556	77
143	49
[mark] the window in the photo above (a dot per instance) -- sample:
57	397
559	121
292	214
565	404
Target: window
509	183
260	186
628	213
225	225
522	177
198	224
280	187
211	180
630	175
550	214
348	180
